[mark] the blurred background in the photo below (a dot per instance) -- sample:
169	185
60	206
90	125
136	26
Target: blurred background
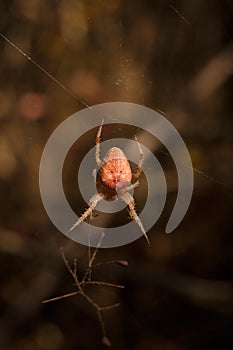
171	56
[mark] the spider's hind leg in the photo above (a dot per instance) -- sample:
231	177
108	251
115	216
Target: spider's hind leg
92	204
131	186
128	199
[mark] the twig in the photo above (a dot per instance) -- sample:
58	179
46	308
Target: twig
86	281
60	297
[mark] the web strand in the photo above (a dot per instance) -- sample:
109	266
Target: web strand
78	99
179	14
43	70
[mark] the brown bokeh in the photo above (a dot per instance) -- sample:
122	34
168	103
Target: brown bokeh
176	57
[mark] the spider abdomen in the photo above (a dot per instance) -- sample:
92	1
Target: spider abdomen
115	172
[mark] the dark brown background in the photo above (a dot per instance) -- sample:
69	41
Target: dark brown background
174	56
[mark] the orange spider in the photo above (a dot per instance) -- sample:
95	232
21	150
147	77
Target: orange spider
113	178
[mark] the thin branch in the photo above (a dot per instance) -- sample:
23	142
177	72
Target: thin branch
98	283
73	273
103	308
61	297
122	263
90	264
98	311
84	282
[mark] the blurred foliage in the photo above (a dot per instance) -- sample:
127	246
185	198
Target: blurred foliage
175	56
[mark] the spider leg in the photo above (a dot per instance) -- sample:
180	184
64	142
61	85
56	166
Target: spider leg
129	200
94	174
97	143
141	158
92	204
131	186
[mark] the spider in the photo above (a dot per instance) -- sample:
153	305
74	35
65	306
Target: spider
113	178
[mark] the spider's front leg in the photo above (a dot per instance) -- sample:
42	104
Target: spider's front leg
92	204
129	200
141	158
97	144
96	197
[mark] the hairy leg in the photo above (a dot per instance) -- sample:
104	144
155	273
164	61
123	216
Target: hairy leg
141	158
92	204
97	143
129	200
131	186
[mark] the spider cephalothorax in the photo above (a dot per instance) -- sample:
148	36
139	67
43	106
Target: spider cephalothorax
113	175
115	172
113	178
